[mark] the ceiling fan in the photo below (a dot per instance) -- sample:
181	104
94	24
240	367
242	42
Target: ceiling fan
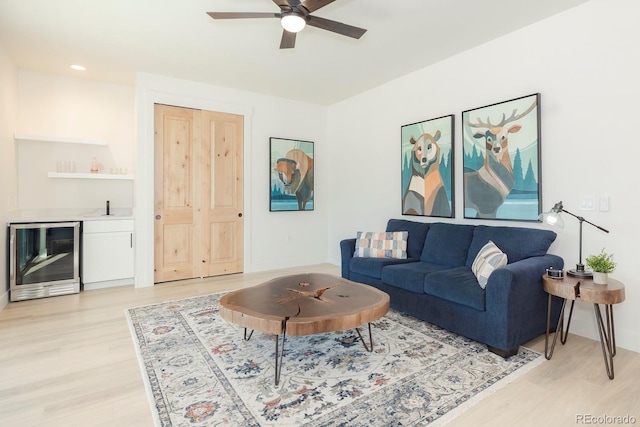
294	15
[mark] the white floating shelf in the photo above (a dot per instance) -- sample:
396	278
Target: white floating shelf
67	139
72	175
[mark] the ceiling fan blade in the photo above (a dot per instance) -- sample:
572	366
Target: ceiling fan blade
288	40
336	27
241	15
313	5
282	4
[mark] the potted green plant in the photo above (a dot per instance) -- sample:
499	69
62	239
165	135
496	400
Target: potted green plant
602	264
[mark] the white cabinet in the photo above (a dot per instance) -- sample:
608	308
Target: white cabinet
107	253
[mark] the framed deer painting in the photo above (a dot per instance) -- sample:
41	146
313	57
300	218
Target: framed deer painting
501	148
427	168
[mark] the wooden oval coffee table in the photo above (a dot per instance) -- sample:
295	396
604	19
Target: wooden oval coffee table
304	304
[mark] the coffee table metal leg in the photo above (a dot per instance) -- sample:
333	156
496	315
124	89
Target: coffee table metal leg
370	348
279	365
607	337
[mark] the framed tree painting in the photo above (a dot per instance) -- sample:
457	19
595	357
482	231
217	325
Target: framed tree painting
501	147
427	168
291	166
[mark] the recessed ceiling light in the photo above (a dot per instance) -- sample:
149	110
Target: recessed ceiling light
78	67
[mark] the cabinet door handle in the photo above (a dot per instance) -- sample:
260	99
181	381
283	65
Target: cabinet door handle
131	239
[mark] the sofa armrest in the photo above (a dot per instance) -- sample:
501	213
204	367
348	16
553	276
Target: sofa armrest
515	298
347	249
519	284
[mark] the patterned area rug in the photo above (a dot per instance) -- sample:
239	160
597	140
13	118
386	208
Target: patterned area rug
200	371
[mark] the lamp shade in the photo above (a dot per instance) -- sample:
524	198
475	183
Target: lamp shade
292	22
553	217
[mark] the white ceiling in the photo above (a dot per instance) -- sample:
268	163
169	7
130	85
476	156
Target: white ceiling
116	38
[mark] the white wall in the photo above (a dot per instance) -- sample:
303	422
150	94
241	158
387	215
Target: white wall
584	63
266	233
8	186
60	106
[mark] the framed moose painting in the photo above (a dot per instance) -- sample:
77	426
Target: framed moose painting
291	181
501	147
427	168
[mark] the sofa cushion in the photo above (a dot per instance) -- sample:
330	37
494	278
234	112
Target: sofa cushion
517	243
381	245
457	285
417	232
447	244
488	259
409	276
372	267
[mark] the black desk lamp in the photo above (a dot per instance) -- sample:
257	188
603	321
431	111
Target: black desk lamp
553	218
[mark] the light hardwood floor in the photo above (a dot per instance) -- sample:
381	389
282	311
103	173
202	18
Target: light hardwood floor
70	361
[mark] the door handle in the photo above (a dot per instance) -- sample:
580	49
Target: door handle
158	217
240	215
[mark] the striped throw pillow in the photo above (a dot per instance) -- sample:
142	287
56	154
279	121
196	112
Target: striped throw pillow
391	244
488	259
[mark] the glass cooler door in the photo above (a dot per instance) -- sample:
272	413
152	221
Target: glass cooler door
45	253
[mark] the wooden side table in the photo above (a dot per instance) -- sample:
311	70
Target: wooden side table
573	288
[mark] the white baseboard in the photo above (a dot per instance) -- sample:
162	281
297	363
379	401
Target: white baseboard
107	284
4	299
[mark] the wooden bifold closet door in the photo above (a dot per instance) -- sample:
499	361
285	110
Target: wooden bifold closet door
198	209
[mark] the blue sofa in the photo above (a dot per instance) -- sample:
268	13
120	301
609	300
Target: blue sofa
435	282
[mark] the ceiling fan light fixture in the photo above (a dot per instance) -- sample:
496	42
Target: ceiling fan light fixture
292	22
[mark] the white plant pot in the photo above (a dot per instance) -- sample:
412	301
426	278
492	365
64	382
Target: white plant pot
600	278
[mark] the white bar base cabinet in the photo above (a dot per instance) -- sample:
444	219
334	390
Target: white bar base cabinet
107	253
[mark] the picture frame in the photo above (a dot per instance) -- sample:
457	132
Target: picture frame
427	168
292	172
501	160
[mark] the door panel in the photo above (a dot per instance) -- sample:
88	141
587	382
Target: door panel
178	145
199	193
177	138
223	144
177	245
223	238
224	169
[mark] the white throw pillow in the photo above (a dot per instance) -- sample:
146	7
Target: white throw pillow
390	244
488	259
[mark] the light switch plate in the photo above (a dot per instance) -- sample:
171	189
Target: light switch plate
588	203
604	203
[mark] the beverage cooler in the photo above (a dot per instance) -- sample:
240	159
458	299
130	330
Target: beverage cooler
44	260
